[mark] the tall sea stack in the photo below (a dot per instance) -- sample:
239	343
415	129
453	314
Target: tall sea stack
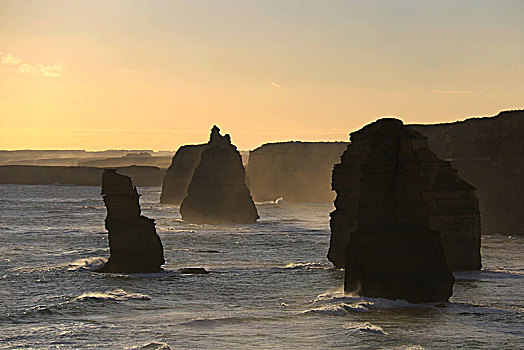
218	193
392	251
179	174
134	245
451	204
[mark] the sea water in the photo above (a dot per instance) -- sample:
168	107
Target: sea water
270	284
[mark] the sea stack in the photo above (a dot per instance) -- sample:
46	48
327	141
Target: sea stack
178	175
391	251
451	204
134	244
218	193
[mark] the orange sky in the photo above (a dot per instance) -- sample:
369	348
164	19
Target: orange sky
158	74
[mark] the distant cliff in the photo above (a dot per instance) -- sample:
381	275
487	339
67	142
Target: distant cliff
80	176
299	172
178	175
489	154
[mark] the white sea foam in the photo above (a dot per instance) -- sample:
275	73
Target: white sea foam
366	327
91	264
308	265
339	301
115	295
282	203
153	346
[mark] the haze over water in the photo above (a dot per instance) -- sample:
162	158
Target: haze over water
270	286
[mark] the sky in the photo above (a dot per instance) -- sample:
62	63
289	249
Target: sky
159	74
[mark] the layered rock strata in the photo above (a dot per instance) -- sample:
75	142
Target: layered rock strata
451	203
134	244
299	172
393	252
179	174
489	154
218	192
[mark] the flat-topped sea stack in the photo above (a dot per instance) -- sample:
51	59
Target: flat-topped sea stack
450	202
134	244
179	174
393	252
218	193
489	154
298	172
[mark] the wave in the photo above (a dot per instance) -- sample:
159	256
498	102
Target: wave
309	266
91	264
152	346
339	304
366	327
213	322
490	273
336	310
196	250
113	295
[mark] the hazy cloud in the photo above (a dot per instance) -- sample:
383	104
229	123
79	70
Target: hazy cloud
11	60
457	92
28	68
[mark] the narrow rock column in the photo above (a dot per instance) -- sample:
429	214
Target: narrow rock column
134	244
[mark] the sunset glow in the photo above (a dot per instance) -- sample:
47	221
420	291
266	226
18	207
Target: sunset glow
158	74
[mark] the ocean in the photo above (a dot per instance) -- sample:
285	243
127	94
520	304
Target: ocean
270	285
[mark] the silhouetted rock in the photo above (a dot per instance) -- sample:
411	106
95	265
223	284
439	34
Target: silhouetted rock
386	186
134	245
217	192
489	154
179	174
299	172
451	203
193	271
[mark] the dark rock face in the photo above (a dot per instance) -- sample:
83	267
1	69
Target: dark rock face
179	174
299	172
218	192
489	154
451	203
392	252
135	247
193	271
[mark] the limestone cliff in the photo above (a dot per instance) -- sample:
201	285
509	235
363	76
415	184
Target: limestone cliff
489	154
299	172
134	245
393	252
178	175
218	192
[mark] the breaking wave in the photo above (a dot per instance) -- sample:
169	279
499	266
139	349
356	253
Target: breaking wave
152	346
91	264
309	265
366	327
114	295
